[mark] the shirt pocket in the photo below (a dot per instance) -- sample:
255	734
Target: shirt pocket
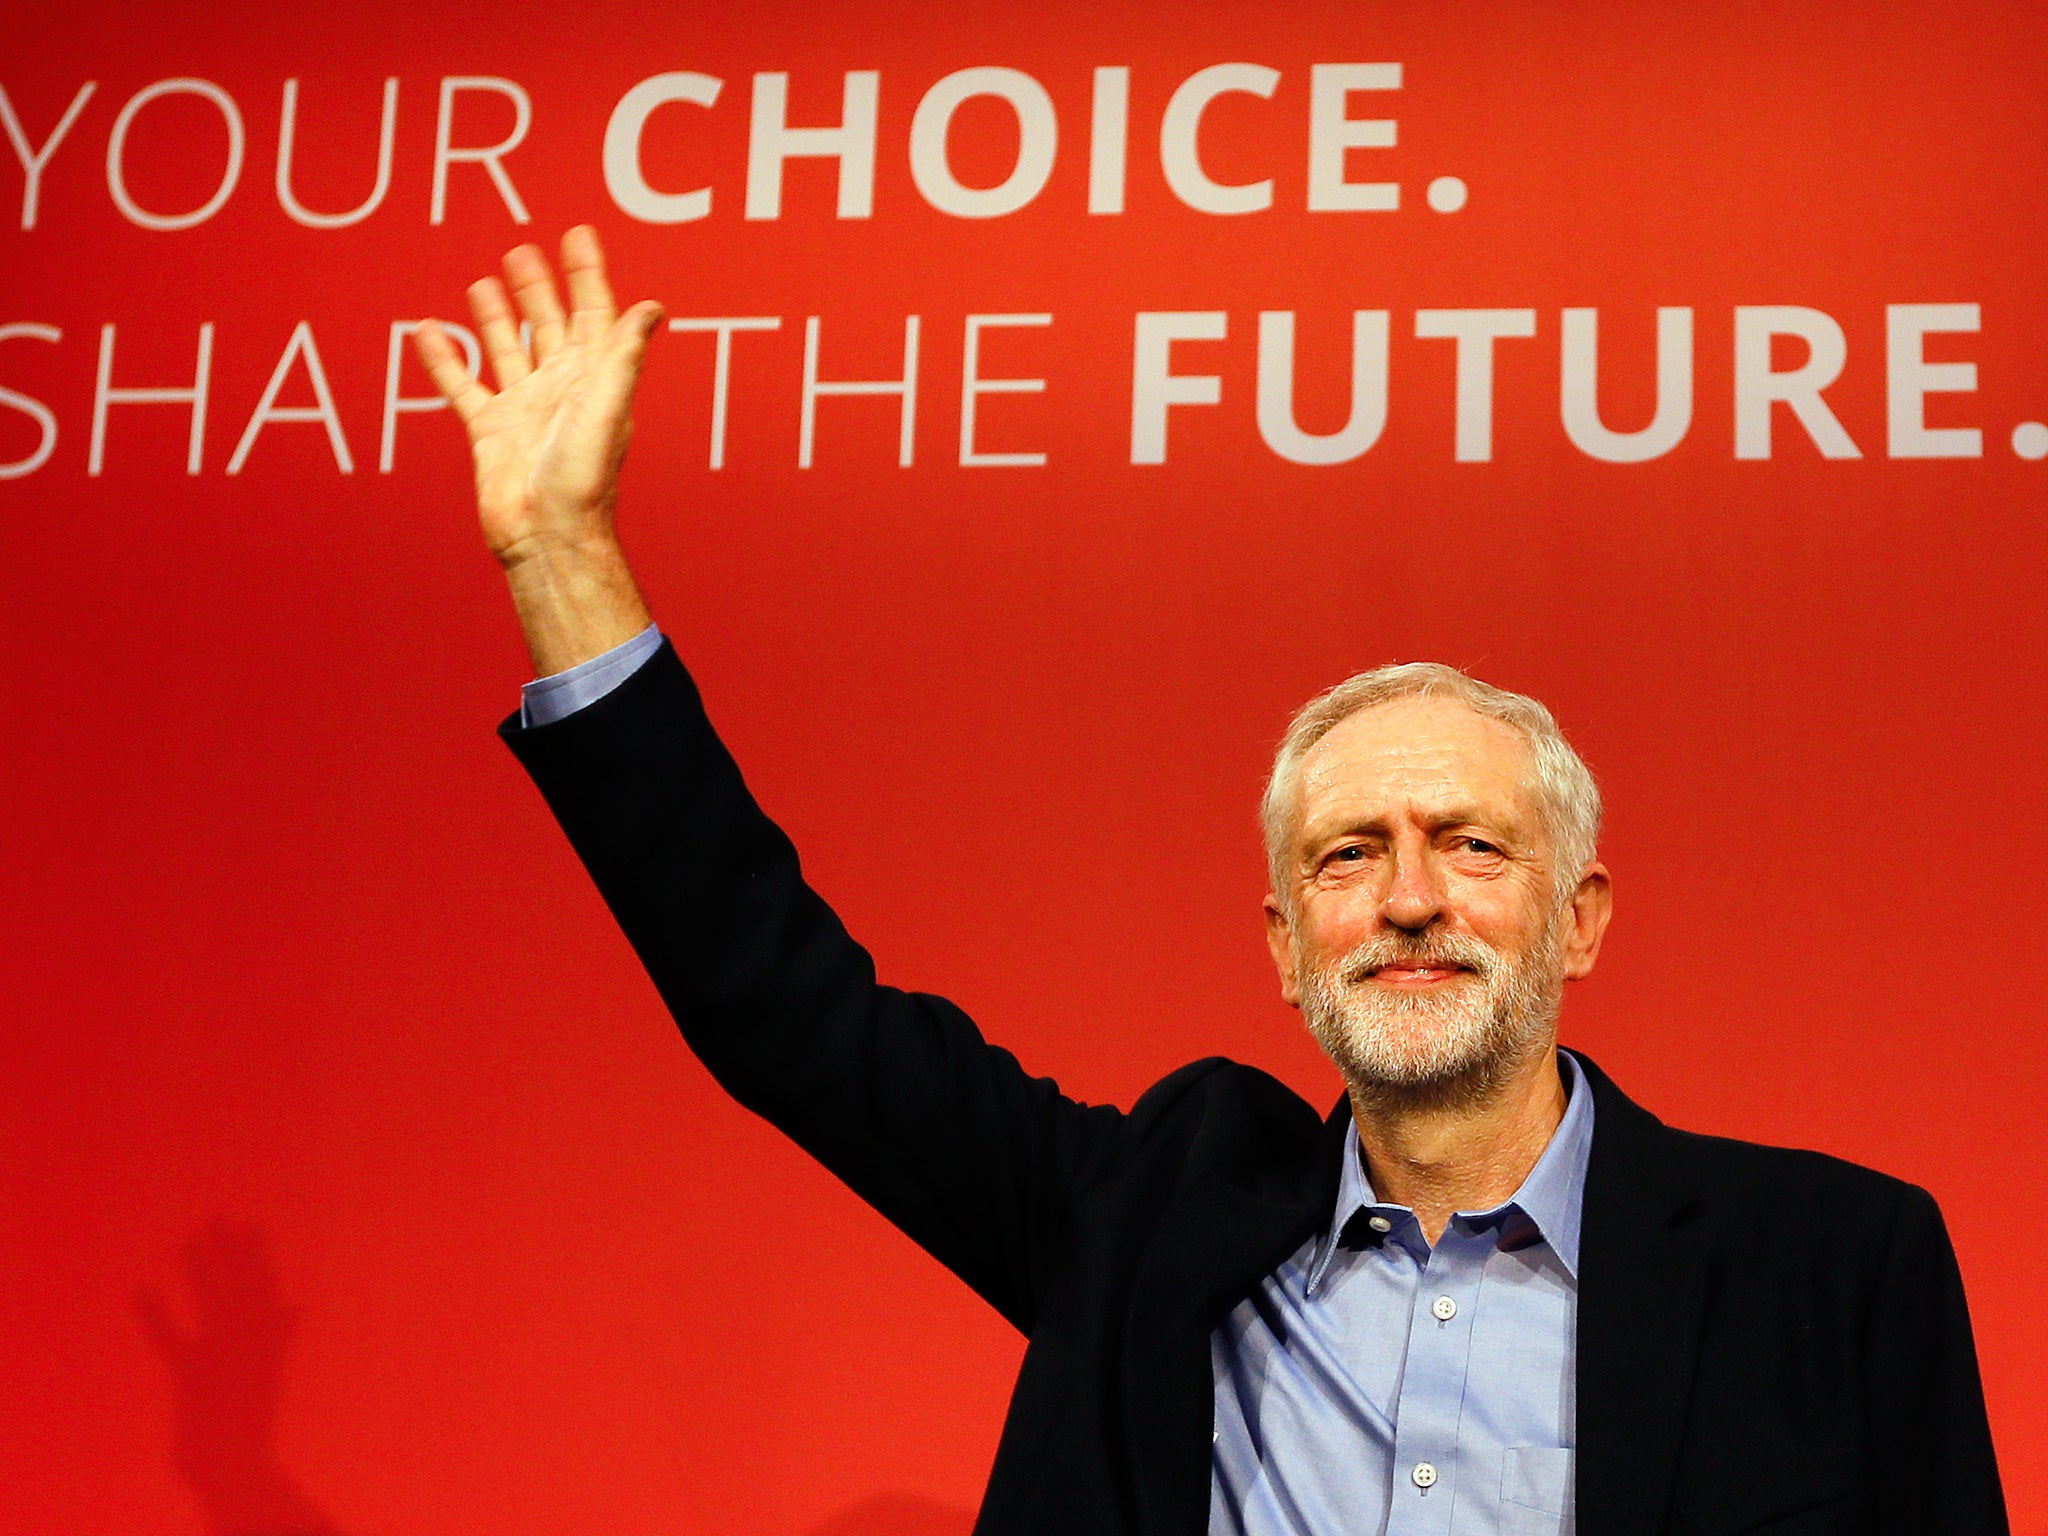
1536	1491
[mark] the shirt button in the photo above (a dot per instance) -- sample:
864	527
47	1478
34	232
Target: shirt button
1380	1224
1444	1308
1424	1474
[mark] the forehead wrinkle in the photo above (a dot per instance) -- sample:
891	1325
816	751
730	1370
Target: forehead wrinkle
1466	778
1343	819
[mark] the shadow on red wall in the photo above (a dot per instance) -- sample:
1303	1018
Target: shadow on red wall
227	1379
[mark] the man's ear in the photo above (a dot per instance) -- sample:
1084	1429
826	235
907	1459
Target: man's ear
1586	917
1280	944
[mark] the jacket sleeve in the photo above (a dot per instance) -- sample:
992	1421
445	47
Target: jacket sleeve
897	1093
1930	1442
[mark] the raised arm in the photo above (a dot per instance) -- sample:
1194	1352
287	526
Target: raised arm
895	1092
548	443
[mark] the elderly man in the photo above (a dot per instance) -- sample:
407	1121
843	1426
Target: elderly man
1487	1294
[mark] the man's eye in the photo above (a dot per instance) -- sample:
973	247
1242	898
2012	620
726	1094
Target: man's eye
1350	855
1478	845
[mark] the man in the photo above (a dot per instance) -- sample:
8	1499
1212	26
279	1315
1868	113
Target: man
1487	1295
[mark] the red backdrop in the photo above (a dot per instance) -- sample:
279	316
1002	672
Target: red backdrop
353	1179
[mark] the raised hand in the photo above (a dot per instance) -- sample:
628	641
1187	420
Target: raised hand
549	441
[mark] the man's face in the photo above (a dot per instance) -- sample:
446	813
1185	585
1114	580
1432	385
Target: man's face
1422	934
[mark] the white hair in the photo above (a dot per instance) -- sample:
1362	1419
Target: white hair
1566	796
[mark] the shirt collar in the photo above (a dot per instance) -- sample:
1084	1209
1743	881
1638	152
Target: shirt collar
1552	1197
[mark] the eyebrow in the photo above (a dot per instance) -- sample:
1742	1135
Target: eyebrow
1465	815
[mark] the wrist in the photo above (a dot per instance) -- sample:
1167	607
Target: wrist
576	599
583	542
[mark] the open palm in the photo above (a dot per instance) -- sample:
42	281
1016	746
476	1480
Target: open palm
549	440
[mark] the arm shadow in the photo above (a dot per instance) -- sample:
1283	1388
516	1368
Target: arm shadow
227	1381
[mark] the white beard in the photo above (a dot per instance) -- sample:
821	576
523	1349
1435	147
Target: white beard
1455	1042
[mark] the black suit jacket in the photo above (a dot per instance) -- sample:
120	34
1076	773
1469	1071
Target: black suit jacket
1769	1341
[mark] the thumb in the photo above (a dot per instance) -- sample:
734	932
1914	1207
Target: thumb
633	330
625	350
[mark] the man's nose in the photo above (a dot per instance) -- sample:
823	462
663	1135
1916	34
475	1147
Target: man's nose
1415	890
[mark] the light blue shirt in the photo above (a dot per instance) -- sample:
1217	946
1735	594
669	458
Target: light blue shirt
557	697
1372	1384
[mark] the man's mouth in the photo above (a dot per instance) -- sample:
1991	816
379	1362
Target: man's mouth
1416	973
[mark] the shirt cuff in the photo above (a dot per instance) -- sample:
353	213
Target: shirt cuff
556	698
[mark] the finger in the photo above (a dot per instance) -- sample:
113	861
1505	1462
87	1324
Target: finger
499	335
449	370
533	285
590	293
626	349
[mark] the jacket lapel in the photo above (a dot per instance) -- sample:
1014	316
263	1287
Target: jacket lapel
1642	1288
1217	1238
